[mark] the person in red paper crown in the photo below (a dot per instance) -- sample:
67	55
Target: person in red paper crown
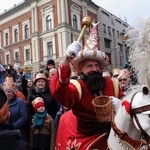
79	128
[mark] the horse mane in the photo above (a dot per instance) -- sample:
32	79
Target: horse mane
139	43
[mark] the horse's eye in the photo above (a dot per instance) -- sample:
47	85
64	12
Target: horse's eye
149	115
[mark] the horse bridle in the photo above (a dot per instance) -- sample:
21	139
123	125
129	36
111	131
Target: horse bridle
134	112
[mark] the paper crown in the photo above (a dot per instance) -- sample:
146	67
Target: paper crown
40	76
91	51
38	102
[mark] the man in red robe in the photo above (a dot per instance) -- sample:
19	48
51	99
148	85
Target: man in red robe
79	128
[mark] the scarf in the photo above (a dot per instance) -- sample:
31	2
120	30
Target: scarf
39	90
4	113
39	119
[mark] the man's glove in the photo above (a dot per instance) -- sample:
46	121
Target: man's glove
73	49
116	103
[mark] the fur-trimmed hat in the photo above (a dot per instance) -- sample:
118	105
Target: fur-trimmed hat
3	107
91	51
40	76
38	102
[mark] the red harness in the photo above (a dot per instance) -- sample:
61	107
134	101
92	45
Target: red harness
123	135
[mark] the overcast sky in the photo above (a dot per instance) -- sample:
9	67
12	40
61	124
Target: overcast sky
132	10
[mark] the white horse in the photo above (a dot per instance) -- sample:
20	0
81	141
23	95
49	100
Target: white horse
130	128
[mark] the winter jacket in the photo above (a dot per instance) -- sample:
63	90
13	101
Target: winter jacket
18	115
43	138
10	139
51	105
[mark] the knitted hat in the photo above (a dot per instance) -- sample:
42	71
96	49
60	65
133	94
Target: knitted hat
40	76
51	61
91	51
3	106
10	86
38	102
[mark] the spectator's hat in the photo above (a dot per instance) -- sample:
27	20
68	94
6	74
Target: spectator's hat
50	62
3	107
10	86
38	102
40	76
91	51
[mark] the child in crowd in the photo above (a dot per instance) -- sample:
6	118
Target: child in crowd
42	128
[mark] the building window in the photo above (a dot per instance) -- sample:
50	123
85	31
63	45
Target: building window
6	39
26	31
118	35
48	23
7	59
107	43
16	35
49	48
48	17
75	21
104	28
109	30
109	56
27	54
17	57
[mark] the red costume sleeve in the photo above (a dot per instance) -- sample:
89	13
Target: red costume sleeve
64	91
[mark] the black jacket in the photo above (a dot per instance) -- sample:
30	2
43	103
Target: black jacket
51	105
10	139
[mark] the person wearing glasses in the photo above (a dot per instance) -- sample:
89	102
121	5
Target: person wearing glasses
125	81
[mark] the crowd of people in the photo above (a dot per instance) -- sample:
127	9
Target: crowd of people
52	112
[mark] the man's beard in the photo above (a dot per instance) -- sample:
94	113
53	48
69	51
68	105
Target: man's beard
94	81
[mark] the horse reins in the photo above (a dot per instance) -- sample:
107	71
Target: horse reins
134	112
124	136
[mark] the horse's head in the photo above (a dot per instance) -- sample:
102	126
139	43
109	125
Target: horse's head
140	111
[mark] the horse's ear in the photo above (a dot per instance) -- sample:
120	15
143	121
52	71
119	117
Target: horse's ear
145	90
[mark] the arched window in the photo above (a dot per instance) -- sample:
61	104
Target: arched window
26	31
75	21
48	23
16	35
6	38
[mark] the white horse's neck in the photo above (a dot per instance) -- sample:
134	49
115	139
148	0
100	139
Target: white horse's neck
124	123
125	131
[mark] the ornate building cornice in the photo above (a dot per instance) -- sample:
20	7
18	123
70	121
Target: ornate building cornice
15	9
